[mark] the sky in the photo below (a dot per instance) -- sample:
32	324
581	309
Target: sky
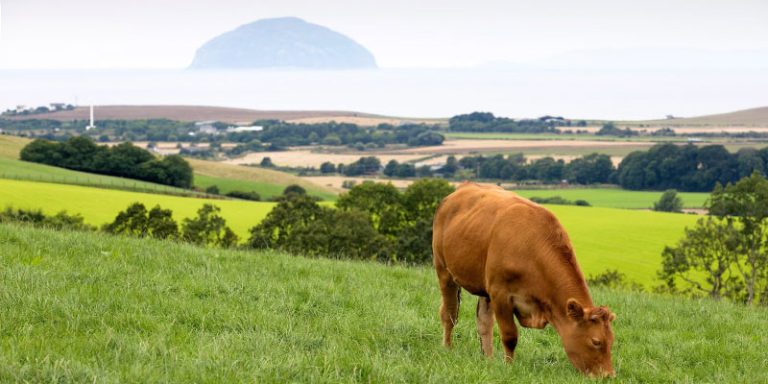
400	33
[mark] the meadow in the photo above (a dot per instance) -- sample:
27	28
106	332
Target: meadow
614	197
100	206
85	307
604	238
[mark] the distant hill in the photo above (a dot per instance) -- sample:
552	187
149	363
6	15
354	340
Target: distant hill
287	42
188	113
754	117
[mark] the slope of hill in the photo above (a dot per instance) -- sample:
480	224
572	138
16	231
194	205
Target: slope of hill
286	42
100	206
266	182
604	238
94	308
186	113
754	117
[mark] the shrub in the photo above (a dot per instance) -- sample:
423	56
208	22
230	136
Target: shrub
253	196
209	228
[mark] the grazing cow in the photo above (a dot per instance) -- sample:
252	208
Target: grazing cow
517	258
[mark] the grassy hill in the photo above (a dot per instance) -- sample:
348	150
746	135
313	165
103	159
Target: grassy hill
604	238
185	113
94	308
754	117
100	206
266	182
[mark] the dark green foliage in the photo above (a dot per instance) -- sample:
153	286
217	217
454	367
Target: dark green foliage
266	162
613	279
669	202
687	168
327	167
137	221
253	196
294	189
213	190
730	248
383	204
589	169
557	200
487	122
609	129
702	263
36	218
395	169
208	229
125	160
363	166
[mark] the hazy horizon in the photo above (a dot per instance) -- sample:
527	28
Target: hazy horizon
430	34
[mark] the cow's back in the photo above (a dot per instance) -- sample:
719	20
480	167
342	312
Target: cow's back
485	228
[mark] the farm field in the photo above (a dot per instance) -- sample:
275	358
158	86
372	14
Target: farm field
100	206
22	170
604	238
615	198
10	146
84	307
308	158
266	182
543	136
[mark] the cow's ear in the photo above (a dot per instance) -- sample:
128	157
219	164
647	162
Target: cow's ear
574	309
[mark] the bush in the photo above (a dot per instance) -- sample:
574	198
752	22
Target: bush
36	218
137	221
212	190
669	202
557	200
209	228
253	196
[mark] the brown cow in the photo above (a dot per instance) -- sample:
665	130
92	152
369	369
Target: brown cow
517	258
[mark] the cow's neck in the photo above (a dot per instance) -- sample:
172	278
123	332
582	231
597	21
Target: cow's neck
569	285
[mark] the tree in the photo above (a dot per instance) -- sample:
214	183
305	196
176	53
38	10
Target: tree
703	261
390	170
383	204
744	205
208	228
294	189
327	167
590	169
137	221
669	202
212	190
291	212
266	162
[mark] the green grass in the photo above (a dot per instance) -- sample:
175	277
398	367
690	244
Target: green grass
616	198
99	206
94	308
604	238
266	182
22	170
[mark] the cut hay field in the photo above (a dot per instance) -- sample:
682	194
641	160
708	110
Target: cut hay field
544	136
94	308
604	238
100	206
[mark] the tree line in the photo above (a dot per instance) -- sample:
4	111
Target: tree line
487	122
80	153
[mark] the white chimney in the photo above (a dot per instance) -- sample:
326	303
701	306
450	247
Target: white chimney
92	125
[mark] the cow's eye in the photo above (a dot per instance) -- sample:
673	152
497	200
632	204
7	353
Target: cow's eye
596	342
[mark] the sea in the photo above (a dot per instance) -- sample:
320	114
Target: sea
417	93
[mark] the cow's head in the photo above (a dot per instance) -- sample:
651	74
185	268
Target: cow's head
588	338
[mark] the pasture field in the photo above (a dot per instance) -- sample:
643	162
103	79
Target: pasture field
604	238
10	146
83	307
266	182
22	170
100	206
615	198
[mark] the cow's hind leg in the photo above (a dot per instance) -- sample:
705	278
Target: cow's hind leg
485	325
449	309
505	316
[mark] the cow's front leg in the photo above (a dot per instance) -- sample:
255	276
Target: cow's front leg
505	316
